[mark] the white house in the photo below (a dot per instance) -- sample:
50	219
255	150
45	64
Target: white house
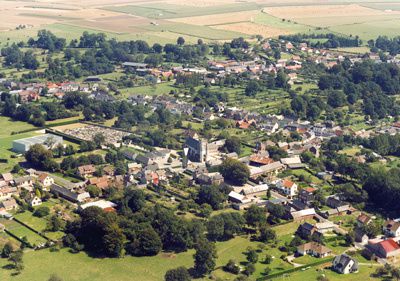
35	201
287	187
45	180
345	264
391	228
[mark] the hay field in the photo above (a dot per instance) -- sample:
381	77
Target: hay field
253	29
225	18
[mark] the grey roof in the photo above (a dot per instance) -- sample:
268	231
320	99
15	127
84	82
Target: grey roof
38	139
343	261
135	64
22	179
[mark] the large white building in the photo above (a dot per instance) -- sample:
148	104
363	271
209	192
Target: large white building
48	140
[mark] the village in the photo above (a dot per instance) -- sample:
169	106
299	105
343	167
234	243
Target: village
316	222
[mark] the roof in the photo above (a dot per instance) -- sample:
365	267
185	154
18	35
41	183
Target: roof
265	160
39	139
7	176
85	169
303	213
103	204
255	189
309	189
287	183
9	203
364	218
315	247
42	177
344	260
388	245
392	225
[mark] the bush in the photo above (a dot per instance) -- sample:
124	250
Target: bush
41	212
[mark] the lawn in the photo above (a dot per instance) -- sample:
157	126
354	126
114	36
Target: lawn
21	231
313	273
159	89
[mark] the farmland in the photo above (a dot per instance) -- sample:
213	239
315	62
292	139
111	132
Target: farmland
163	21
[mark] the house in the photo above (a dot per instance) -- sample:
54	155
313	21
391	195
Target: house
391	228
260	189
387	249
360	236
345	264
363	220
302	214
258	160
9	204
159	157
45	180
314	249
7	177
149	177
7	191
245	124
306	195
35	201
306	230
69	194
210	178
24	182
334	202
238	198
101	182
287	187
86	170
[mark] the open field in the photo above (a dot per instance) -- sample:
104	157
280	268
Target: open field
162	21
21	231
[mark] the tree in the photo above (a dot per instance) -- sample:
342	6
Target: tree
54	277
267	234
250	269
16	259
180	41
55	223
232	144
99	139
255	216
205	210
212	196
135	199
252	88
149	243
235	171
268	259
204	258
232	267
39	156
252	256
177	274
7	250
41	211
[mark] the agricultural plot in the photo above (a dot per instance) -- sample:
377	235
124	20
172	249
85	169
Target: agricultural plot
21	231
168	11
353	19
204	32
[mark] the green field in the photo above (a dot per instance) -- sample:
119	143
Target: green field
204	32
169	11
6	138
21	231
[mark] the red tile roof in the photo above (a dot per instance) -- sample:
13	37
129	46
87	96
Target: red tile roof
389	245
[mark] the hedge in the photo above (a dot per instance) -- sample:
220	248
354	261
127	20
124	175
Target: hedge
278	274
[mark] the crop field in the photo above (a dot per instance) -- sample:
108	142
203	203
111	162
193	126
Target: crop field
162	21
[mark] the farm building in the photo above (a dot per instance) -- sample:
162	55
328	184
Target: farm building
48	140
